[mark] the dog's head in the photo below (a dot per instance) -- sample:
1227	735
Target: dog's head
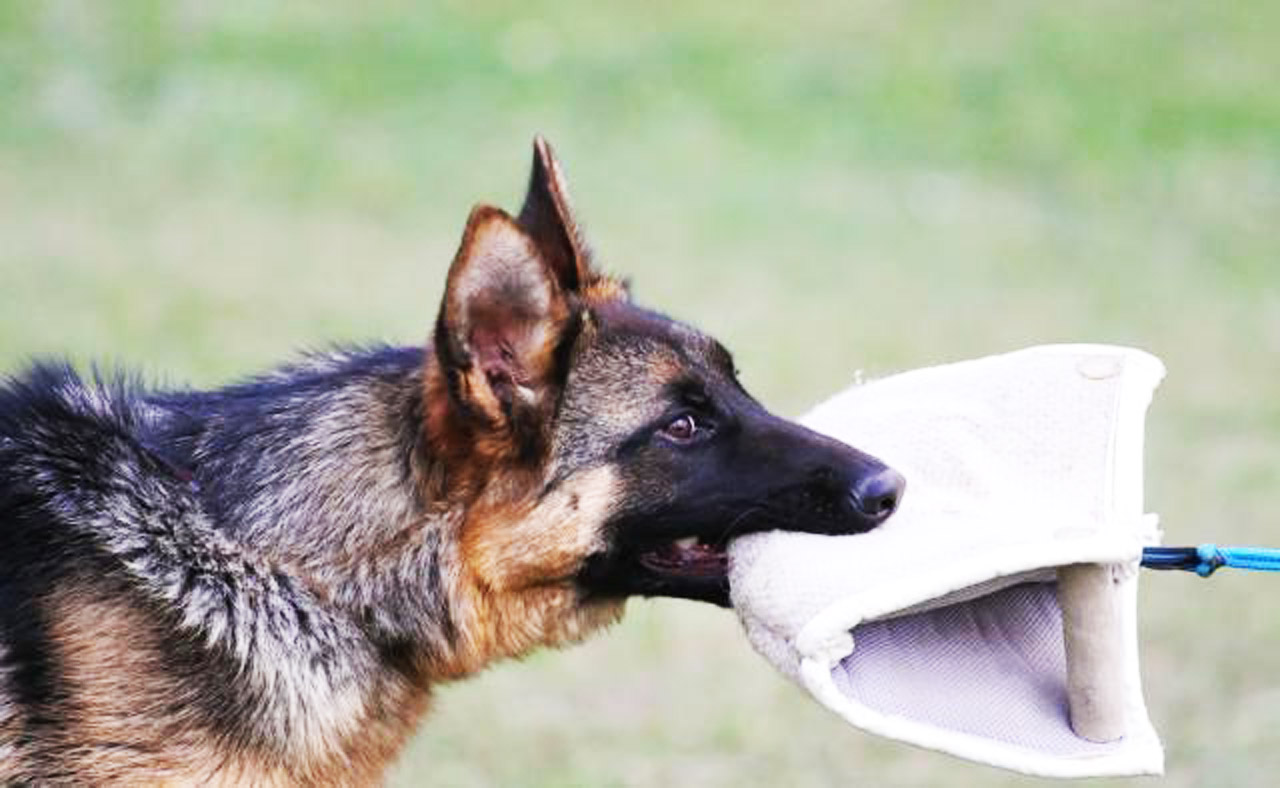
605	445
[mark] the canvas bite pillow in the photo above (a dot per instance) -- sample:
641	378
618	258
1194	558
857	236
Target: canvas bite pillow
993	616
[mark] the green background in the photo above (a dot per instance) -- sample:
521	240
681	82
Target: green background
198	190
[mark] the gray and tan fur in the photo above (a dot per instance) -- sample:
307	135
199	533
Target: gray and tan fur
261	584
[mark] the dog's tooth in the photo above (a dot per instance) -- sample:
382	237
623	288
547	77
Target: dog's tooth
687	543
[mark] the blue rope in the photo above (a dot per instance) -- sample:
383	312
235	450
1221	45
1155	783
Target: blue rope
1206	558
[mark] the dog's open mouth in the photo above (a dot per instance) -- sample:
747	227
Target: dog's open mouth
683	553
689	567
688	557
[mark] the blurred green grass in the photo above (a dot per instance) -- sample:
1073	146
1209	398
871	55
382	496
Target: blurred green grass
198	190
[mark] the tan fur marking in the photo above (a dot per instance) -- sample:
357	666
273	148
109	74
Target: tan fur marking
664	366
132	722
501	626
128	720
601	289
512	547
515	592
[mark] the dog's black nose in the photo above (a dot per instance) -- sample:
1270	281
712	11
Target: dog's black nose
876	496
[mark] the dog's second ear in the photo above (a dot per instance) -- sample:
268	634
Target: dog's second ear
548	218
501	325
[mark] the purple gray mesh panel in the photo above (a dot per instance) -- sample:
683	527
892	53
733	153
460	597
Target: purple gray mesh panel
992	667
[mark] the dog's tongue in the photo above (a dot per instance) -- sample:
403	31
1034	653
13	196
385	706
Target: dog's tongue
695	559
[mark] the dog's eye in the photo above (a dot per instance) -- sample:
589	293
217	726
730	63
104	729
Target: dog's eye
682	430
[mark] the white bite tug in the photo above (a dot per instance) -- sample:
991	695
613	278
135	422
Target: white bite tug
994	616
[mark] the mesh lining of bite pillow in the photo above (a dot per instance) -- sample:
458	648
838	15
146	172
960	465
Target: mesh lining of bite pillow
992	667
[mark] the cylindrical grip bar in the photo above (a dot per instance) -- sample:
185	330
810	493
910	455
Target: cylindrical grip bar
1092	636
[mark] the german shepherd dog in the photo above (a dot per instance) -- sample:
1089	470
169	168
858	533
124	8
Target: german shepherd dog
260	584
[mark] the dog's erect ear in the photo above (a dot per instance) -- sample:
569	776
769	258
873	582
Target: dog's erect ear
503	319
548	218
